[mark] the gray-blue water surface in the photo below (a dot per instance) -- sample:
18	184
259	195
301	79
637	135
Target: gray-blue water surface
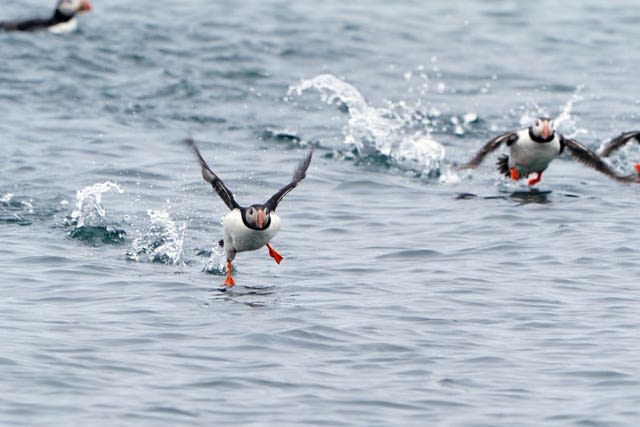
410	294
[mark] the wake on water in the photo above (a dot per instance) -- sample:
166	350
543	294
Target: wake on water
402	137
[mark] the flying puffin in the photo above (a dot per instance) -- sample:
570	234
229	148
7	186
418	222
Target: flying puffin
533	148
62	21
249	228
619	141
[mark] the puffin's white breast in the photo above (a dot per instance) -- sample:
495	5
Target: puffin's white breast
64	27
242	238
530	156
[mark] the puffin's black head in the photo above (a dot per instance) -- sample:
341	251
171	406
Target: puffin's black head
543	128
71	7
257	217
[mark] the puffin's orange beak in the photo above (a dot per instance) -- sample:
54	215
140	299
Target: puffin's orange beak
260	220
85	6
546	130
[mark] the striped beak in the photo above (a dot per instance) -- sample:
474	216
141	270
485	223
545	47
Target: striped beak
85	6
546	129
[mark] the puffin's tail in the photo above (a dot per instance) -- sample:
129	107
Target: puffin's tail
503	165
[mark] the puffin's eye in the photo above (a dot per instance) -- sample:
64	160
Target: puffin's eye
266	212
537	123
250	211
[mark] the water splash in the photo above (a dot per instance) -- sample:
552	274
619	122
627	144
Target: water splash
89	210
217	261
15	211
6	198
564	121
397	134
461	124
89	217
160	242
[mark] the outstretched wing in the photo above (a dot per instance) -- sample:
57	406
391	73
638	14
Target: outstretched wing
28	25
298	175
620	141
225	194
587	157
488	148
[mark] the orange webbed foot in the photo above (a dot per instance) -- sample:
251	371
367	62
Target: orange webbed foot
534	181
273	254
637	167
229	280
515	175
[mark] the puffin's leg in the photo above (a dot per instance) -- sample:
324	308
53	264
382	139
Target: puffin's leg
229	280
273	254
515	175
534	181
637	166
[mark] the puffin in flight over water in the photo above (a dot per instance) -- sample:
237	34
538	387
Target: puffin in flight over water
62	21
532	149
249	228
619	141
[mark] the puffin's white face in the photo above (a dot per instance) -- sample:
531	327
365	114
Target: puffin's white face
71	7
543	128
258	216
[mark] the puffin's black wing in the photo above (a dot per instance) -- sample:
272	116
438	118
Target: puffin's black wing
508	138
28	25
298	175
225	194
587	157
620	141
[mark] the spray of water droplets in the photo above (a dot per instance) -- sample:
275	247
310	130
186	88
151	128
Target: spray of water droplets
395	133
89	217
161	241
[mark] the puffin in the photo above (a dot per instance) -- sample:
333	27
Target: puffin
532	149
252	227
62	21
618	142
